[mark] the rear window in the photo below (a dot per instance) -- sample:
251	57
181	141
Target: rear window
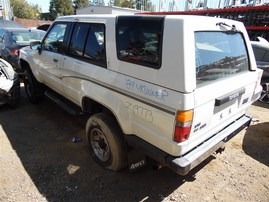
219	55
25	37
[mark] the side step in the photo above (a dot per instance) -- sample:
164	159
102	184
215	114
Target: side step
67	105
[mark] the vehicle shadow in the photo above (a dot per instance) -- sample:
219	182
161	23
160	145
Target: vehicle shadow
256	142
63	170
260	104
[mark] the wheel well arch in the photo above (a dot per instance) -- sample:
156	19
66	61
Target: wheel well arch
92	106
24	65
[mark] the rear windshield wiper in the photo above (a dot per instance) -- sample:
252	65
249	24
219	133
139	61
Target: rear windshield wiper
223	24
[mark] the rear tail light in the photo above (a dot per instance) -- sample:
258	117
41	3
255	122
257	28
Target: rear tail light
15	52
183	125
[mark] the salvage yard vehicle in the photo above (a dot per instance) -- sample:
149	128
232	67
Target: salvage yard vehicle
154	86
261	52
12	39
9	85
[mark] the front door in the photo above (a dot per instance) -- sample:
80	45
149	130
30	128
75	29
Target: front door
50	57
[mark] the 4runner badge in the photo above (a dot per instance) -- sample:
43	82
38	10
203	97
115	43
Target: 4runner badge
137	165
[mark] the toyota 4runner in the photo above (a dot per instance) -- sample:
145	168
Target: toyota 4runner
172	88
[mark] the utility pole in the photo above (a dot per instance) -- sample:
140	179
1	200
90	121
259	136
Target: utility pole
5	10
219	3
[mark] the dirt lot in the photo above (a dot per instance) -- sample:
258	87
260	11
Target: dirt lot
39	162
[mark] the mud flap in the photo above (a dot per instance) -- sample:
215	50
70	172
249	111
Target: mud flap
136	160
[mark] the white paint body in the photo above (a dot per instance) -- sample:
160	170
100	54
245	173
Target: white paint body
145	101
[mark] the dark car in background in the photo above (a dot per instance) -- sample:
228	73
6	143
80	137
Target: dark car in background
13	39
43	27
261	52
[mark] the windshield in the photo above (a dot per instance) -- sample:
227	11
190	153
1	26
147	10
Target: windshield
219	55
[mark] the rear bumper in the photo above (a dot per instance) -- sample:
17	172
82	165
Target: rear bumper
183	164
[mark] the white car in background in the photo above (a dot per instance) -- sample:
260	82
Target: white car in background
9	84
261	52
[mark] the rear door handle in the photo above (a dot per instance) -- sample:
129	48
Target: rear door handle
55	60
231	96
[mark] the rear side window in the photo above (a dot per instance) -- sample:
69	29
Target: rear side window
78	39
139	40
88	43
95	47
219	55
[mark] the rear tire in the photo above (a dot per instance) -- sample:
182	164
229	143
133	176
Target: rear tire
32	87
106	142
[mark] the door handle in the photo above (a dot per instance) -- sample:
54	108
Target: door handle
55	60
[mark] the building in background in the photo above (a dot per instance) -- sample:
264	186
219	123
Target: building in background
254	16
5	10
184	5
105	10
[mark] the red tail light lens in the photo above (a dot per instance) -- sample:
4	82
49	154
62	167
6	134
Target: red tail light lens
15	52
182	133
183	125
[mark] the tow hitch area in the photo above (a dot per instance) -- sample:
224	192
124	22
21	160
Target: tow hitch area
220	150
136	160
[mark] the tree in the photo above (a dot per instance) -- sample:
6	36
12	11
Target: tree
60	7
98	2
22	9
80	3
128	4
145	5
117	3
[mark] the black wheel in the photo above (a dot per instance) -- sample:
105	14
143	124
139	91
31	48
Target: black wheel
106	142
32	87
265	93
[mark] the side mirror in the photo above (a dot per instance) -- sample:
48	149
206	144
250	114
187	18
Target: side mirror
36	45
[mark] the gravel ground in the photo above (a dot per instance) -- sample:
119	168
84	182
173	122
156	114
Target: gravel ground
39	162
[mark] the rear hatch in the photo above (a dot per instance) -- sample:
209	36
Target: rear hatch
225	84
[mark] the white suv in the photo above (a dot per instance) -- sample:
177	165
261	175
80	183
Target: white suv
172	88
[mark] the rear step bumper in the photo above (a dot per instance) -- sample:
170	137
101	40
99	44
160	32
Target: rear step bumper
182	165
